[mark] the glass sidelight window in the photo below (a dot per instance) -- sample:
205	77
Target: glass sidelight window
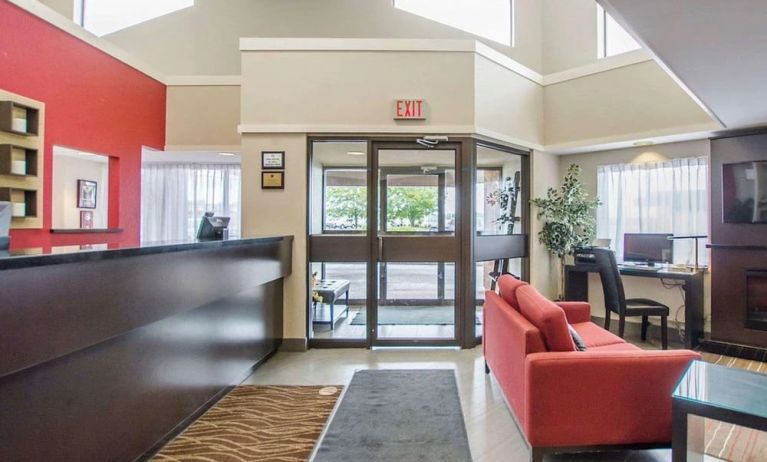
338	300
499	192
338	217
500	219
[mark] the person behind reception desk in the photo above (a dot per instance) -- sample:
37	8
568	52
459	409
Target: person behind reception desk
5	226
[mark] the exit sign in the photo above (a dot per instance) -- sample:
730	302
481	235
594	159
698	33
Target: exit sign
409	109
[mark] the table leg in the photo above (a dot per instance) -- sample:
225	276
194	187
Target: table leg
688	436
693	311
678	434
347	303
332	316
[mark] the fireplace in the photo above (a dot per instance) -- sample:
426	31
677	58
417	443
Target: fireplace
756	299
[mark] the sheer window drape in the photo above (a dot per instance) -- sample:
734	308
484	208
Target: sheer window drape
175	196
662	197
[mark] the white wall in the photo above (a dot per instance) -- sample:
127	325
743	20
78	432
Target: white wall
355	88
507	104
280	212
637	286
202	40
544	270
67	169
569	36
202	116
630	102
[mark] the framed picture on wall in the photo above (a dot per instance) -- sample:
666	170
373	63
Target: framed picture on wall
86	194
86	219
272	180
272	160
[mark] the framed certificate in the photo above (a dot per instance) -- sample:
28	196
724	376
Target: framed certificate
272	160
272	180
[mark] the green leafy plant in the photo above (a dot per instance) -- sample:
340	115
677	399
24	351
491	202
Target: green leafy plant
411	204
348	203
569	218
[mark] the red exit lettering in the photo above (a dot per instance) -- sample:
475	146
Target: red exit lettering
408	109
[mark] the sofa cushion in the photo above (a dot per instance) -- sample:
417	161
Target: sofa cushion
547	317
507	287
595	336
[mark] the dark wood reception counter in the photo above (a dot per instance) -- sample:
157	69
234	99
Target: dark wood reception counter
105	352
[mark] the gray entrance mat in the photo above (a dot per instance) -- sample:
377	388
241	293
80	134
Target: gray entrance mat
397	415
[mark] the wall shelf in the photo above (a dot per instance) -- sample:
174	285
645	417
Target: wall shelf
13	113
21	157
10	153
28	197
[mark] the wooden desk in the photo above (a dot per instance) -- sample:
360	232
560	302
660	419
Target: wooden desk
577	288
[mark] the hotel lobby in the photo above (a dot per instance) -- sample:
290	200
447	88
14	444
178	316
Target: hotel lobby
383	230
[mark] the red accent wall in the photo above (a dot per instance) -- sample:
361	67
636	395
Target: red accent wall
94	103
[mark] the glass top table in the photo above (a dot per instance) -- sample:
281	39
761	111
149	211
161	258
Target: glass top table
732	395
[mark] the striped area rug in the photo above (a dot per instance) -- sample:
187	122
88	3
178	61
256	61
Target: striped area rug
731	442
256	424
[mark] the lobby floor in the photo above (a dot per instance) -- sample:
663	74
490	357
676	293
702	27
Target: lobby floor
493	436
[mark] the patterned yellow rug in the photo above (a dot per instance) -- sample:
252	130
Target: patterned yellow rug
256	424
731	442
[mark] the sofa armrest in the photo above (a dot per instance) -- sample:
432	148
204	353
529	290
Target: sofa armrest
576	311
597	398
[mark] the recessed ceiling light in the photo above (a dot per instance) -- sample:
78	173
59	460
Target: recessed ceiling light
644	143
356	153
227	154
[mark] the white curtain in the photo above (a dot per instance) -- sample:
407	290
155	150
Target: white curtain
662	197
175	196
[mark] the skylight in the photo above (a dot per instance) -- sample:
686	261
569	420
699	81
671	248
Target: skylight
612	39
491	19
103	17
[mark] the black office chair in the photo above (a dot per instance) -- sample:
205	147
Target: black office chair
615	298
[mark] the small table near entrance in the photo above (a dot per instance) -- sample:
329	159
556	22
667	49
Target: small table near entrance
721	393
330	291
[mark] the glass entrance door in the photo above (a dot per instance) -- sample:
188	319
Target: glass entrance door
417	245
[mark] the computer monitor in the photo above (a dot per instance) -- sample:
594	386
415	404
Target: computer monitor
213	228
5	225
648	248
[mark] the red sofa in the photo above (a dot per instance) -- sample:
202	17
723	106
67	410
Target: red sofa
612	395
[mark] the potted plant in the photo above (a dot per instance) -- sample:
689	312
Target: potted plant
569	219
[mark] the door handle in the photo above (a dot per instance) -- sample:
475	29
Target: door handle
380	248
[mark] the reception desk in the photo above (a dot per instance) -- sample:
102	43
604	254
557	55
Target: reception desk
104	353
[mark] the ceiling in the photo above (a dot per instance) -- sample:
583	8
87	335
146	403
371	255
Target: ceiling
716	49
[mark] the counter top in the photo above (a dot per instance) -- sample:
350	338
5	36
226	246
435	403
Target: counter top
34	257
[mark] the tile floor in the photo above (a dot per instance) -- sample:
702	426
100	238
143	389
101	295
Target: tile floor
493	436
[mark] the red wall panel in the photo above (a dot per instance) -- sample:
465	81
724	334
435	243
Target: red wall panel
94	103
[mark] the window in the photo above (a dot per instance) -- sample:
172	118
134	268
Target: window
612	39
491	19
346	200
175	196
106	16
662	197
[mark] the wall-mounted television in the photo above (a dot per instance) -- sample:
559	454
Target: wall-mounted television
744	192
